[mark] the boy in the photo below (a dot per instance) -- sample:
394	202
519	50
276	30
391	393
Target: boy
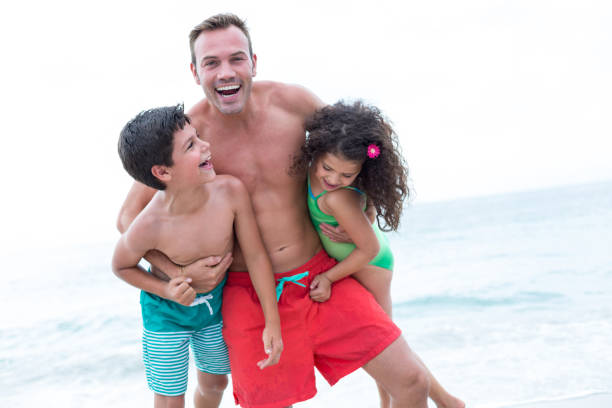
161	149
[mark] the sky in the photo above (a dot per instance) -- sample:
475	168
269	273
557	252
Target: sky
486	96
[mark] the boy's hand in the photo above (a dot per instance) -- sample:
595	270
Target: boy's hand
178	290
273	345
207	273
320	288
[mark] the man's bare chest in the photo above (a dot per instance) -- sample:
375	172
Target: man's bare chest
261	159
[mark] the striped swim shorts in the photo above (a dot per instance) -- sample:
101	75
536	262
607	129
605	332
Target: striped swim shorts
170	328
166	357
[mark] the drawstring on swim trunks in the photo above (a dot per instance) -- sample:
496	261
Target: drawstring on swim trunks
291	279
203	299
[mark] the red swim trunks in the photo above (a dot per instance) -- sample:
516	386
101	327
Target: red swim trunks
337	336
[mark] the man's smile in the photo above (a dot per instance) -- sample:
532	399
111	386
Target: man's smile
227	90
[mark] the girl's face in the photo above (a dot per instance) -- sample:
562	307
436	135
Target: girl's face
333	171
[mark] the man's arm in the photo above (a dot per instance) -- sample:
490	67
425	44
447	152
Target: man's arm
338	234
260	270
206	273
137	199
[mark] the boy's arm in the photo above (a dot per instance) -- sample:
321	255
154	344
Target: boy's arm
260	270
129	250
346	207
206	273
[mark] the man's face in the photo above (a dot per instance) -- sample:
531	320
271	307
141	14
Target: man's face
224	68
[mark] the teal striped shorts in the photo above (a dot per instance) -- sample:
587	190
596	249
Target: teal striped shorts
169	330
166	357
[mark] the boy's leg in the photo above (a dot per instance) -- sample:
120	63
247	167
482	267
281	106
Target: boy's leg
212	362
210	390
401	373
164	401
166	360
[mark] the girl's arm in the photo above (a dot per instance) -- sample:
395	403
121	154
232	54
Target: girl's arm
260	270
347	208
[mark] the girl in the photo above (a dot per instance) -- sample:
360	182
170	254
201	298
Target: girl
353	161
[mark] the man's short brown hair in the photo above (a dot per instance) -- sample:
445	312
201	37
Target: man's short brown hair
217	22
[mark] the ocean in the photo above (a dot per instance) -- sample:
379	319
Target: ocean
506	298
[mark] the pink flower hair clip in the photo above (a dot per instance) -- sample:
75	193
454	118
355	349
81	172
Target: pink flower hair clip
373	151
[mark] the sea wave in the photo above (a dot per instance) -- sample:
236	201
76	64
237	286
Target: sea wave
454	301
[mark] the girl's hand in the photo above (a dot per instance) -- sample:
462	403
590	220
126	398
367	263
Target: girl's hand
273	345
320	288
178	290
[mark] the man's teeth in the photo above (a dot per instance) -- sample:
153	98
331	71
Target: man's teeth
228	88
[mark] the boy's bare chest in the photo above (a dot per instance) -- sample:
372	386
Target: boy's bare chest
188	238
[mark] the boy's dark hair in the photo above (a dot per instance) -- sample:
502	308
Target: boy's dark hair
347	131
217	22
147	140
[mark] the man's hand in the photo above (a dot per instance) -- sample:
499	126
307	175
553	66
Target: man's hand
207	273
178	290
273	345
336	234
320	288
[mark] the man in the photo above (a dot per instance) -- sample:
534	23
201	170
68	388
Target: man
255	129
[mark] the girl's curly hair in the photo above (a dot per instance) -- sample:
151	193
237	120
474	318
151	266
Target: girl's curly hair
347	130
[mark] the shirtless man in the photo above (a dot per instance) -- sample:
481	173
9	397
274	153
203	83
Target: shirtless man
255	129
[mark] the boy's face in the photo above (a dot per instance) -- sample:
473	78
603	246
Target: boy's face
224	68
191	157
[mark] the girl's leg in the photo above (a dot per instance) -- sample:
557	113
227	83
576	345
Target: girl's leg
210	390
378	282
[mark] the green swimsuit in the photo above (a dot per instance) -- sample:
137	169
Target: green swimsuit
340	250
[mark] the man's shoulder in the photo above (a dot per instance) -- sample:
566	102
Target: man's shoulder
199	109
291	97
230	189
224	183
275	86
